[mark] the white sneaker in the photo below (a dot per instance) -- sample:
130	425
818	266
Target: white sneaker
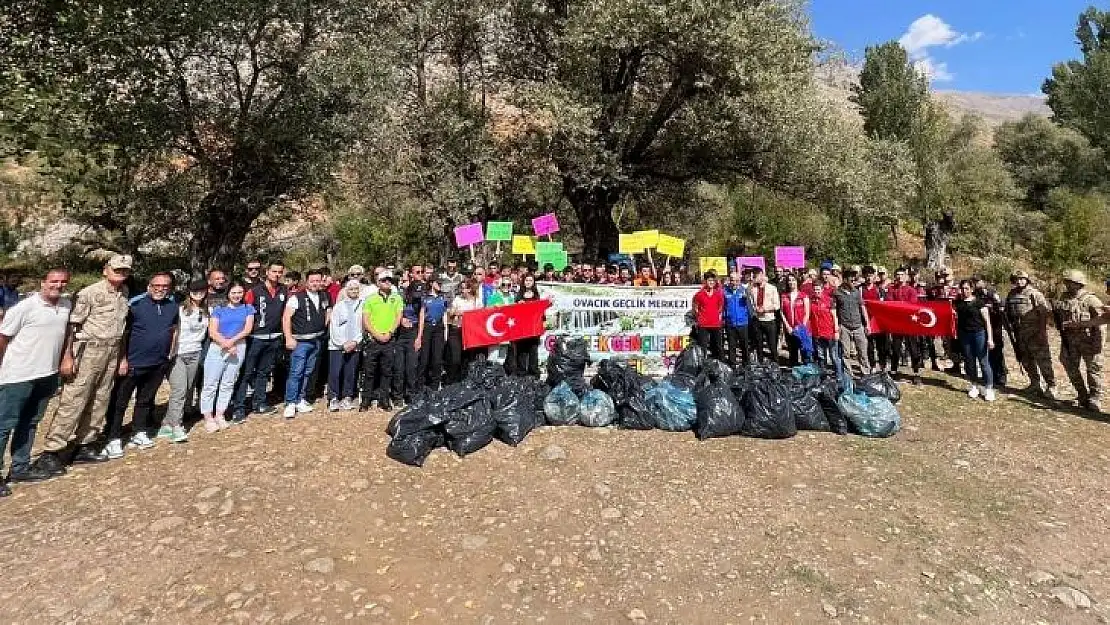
347	405
988	394
290	411
114	449
334	405
304	406
974	392
140	440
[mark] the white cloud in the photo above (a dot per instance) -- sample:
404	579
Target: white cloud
929	31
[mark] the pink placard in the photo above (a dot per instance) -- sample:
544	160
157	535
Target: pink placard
790	257
751	261
545	224
470	234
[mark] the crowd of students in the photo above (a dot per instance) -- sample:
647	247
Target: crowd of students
380	337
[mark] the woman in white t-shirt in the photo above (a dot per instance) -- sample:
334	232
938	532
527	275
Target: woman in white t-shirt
344	341
192	329
458	359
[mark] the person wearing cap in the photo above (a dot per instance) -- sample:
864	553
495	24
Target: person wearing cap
381	316
152	322
434	342
1027	311
1081	316
192	329
943	290
100	320
35	338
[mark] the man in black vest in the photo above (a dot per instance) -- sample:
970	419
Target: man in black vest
268	299
305	320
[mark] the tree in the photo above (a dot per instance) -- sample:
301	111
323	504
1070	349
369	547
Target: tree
890	92
633	96
1042	156
197	117
1079	89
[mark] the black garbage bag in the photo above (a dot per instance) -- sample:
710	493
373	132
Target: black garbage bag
767	410
879	384
432	409
596	410
718	411
515	410
874	417
619	381
413	449
827	394
807	409
569	358
470	429
691	360
561	406
718	372
671	404
485	375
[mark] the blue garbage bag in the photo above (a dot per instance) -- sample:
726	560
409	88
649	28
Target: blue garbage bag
806	341
671	403
596	410
874	417
561	406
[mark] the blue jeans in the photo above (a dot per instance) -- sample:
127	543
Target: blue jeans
975	351
342	369
302	360
22	405
828	354
220	372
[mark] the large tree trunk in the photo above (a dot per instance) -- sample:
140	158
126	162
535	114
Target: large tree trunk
593	206
937	235
223	224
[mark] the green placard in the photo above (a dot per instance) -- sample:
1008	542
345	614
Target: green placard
557	259
546	248
499	231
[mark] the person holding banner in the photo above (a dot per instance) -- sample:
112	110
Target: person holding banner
645	277
527	350
458	359
709	308
973	324
904	291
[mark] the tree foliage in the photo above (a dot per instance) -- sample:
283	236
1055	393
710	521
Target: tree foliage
1079	89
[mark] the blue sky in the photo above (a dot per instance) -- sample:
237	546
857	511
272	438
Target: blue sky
968	45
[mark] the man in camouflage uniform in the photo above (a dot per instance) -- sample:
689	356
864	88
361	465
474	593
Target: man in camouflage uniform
1027	310
1082	314
100	320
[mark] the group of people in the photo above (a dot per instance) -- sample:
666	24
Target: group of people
820	316
381	337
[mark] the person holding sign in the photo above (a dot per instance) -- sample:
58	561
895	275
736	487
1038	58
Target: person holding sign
709	308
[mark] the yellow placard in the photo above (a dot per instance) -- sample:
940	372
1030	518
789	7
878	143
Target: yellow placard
650	238
630	244
718	264
523	244
671	246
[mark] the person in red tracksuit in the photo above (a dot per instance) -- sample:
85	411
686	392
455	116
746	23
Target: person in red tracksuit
878	345
709	310
904	291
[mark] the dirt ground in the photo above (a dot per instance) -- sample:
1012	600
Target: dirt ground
975	512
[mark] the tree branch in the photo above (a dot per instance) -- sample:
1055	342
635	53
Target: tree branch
678	94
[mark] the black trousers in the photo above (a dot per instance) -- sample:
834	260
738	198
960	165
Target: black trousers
459	359
430	368
767	345
377	370
878	350
405	360
258	365
143	383
737	337
997	358
900	344
527	358
794	350
710	339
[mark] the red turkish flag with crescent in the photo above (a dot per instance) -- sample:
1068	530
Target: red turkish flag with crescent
912	318
501	324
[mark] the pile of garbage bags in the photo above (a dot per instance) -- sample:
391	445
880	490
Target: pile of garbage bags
703	395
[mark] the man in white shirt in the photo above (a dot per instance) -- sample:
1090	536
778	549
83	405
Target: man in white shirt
35	340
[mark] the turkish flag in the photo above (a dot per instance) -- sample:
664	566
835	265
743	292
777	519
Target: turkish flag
912	318
501	324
